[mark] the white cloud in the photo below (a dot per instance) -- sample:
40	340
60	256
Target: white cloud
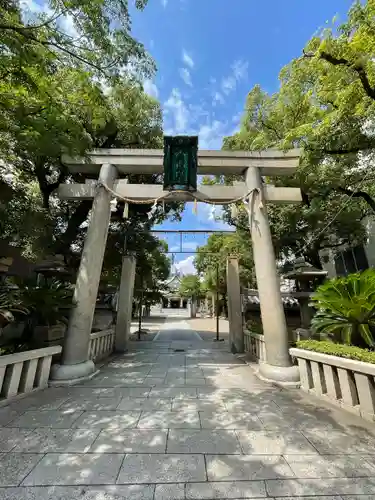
228	84
150	88
211	135
164	3
217	98
187	59
185	75
34	7
186	266
238	72
176	108
67	24
211	217
240	68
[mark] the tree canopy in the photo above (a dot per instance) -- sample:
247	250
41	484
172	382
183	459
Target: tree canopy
211	259
325	106
191	286
71	81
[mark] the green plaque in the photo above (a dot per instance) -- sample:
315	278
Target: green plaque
180	163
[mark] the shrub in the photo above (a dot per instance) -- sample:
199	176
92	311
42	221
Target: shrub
340	350
46	300
346	309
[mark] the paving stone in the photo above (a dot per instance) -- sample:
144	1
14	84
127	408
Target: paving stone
195	382
274	443
154	380
246	467
95	403
130	441
116	382
335	497
169	492
226	420
173	392
336	442
14	467
145	404
133	492
90	392
354	497
132	392
197	405
55	419
305	487
39	403
202	441
7	414
162	469
107	419
11	437
227	490
305	466
47	440
250	405
280	421
169	419
174	380
71	469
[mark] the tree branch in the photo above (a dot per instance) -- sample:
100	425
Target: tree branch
77	218
269	127
341	61
26	34
359	194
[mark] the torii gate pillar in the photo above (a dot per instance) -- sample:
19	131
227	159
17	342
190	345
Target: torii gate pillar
278	368
76	365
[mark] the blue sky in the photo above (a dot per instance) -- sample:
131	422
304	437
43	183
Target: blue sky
209	54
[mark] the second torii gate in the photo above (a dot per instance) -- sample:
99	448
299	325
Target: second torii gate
112	166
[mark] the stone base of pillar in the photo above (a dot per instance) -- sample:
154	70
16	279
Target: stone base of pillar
284	376
66	375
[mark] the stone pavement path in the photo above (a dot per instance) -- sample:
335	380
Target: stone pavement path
157	424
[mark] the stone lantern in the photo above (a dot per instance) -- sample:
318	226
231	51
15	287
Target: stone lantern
52	267
307	278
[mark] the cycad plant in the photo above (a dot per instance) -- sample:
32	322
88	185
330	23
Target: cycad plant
346	309
10	305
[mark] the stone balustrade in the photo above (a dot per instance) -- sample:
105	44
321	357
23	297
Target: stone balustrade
255	345
247	340
101	344
345	382
25	372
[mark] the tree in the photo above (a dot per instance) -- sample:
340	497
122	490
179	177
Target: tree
211	259
190	286
61	92
92	35
325	106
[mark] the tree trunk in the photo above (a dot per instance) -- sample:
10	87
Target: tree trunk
78	217
312	257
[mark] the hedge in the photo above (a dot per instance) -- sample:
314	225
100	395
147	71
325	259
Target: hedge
340	350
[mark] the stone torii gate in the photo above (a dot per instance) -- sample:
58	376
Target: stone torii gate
112	166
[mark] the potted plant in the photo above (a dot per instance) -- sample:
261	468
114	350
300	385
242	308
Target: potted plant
346	309
47	303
